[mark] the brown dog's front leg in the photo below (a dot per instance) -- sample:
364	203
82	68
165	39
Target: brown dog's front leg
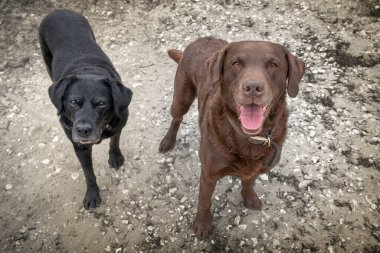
84	154
168	142
202	223
116	158
250	198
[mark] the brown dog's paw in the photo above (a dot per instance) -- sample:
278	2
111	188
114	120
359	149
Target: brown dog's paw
251	200
202	227
167	144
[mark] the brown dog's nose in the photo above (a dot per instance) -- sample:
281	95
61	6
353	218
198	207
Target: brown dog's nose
253	88
84	129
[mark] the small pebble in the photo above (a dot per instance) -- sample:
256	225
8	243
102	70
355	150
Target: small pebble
183	200
304	183
75	176
237	220
172	190
45	161
276	243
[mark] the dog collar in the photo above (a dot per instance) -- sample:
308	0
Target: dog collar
258	140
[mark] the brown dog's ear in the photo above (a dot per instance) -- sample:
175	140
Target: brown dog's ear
296	69
57	91
121	96
214	65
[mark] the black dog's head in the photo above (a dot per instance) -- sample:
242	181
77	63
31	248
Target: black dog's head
89	102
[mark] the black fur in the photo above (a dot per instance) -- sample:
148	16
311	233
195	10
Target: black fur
88	93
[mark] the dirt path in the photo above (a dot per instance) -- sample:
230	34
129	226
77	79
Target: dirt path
323	197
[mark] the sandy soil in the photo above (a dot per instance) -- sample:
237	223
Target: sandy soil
323	196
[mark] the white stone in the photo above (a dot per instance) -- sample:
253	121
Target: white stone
304	183
172	190
183	200
75	176
45	161
237	220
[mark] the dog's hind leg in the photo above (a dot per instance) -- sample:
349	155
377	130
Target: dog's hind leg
183	97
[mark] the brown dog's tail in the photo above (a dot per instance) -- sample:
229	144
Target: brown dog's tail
175	54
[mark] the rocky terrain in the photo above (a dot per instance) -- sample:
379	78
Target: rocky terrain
323	196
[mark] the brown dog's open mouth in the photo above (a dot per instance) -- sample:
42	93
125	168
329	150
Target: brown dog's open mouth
252	117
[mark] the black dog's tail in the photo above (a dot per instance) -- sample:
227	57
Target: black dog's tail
175	54
46	54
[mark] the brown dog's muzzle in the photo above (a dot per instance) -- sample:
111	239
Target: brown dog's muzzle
253	102
253	92
253	88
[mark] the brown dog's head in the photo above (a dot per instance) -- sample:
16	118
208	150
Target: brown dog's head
253	76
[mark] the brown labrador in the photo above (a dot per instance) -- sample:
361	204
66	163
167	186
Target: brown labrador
241	89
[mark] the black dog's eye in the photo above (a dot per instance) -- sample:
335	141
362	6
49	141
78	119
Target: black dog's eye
101	103
73	102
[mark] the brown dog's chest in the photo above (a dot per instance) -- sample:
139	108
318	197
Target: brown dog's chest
247	166
220	159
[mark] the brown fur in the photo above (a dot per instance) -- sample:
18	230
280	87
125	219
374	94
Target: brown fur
206	69
175	54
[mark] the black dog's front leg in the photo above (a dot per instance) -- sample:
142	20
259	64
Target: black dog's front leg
84	154
116	158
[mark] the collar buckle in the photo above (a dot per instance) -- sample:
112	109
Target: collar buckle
260	140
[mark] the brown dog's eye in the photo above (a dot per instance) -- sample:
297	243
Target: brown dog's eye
236	65
274	65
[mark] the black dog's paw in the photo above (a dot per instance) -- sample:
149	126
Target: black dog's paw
116	160
92	198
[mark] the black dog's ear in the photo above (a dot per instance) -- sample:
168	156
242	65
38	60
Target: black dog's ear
214	65
121	96
57	91
296	69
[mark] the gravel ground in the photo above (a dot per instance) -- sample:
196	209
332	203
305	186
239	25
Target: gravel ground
322	197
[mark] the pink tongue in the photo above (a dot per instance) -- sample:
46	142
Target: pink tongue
251	116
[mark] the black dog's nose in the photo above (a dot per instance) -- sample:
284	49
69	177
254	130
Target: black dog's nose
84	129
253	88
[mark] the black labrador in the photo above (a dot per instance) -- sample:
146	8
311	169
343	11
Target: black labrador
91	100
